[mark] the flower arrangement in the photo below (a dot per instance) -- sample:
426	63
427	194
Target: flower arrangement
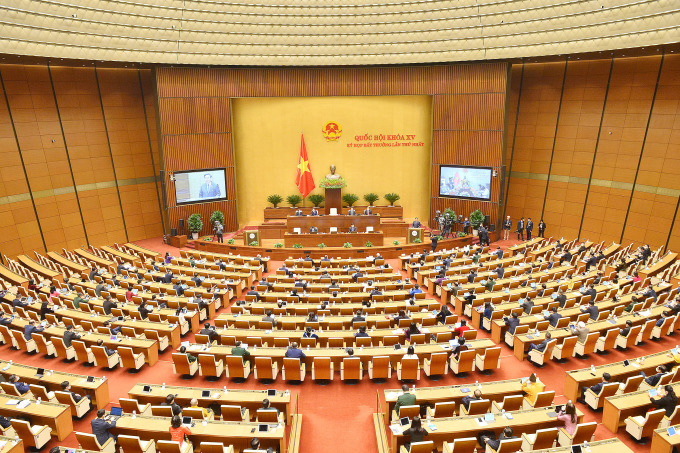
392	198
461	234
333	183
254	244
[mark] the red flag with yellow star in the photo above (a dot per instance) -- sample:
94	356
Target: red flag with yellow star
304	180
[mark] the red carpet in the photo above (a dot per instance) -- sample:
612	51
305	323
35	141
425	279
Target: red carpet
337	417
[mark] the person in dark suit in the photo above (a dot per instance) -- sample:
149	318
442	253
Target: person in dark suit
541	229
101	427
512	322
178	288
542	345
298	212
496	443
466	226
472	275
66	387
313	230
253	292
561	298
541	291
208	189
359	317
99	288
668	400
591	292
109	352
69	336
653	380
476	396
553	317
483	236
591	309
527	305
443	314
499	253
294	352
650	293
21	387
500	270
352	229
529	228
368	211
212	334
167	278
351	211
591	261
361	333
416	223
520	229
170	401
566	256
434	238
597	388
108	305
30	329
314	212
112	330
598	278
626	330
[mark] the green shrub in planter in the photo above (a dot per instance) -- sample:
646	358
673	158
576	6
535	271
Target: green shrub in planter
297	246
440	237
476	219
322	245
230	241
294	199
395	242
450	212
254	244
461	234
316	199
216	216
347	245
278	245
350	199
392	198
417	241
368	244
275	199
371	198
195	223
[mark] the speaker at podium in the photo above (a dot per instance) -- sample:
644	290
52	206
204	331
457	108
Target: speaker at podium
413	234
251	236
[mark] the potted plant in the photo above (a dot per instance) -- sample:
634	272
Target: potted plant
254	244
216	216
461	234
350	199
294	199
451	213
316	199
231	241
278	245
395	242
369	244
392	198
371	198
417	241
322	245
297	245
275	199
347	245
195	224
476	219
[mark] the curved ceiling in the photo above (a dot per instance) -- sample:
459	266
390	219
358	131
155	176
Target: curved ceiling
325	32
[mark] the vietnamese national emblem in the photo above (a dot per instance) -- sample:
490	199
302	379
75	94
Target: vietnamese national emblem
331	130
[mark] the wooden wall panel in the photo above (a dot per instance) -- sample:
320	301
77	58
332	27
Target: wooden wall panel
54	162
459	137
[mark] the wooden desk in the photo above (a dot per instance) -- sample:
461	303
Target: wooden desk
56	416
662	442
251	399
147	253
524	421
333	239
522	342
147	347
599	446
101	262
519	248
337	354
619	407
229	257
382	307
36	267
657	267
577	379
97	390
122	256
12	277
178	241
325	222
399	295
76	267
494	391
11	445
235	433
203	264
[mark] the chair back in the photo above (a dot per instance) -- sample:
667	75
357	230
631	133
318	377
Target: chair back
381	367
562	323
479	407
584	432
409	368
202	339
418	338
9	388
168	446
470	334
181	362
438	363
215	447
208	364
322	368
652	420
88	441
568	345
665	379
193	412
363	341
351	368
292	369
608	390
39	391
23	430
466	361
610	339
19	339
492	358
81	350
445	409
264	367
267	416
129	405
409	411
161	411
127	357
422	447
231	413
510	445
647	330
544	399
391	340
631	339
40	343
464	445
512	402
632	383
131	444
545	438
6	335
235	366
100	355
65	398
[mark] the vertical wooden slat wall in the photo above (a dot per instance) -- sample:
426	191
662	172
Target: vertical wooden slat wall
468	117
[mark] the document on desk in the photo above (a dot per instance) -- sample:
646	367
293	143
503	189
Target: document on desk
24	404
396	430
480	421
392	395
12	402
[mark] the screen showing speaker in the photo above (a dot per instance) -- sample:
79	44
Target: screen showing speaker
473	183
198	186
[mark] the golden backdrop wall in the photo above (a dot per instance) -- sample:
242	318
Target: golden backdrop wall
266	135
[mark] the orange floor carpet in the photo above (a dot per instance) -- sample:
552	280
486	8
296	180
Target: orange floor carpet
337	417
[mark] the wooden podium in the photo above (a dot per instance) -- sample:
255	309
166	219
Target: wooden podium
333	200
413	234
250	236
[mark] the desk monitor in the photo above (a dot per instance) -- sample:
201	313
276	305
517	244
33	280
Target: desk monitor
90	379
40	372
576	449
271	392
116	410
205	394
186	421
146	389
403	421
263	428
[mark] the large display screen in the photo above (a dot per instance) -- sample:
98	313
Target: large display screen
473	183
198	186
